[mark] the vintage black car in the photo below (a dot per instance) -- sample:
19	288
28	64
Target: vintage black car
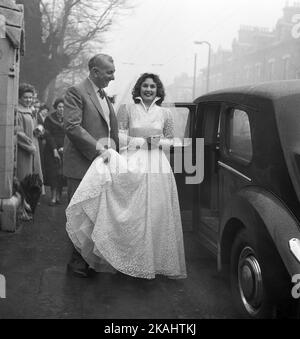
247	208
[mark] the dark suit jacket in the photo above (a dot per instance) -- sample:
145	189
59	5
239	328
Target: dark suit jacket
84	125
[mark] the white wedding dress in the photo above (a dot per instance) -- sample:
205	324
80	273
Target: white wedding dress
125	215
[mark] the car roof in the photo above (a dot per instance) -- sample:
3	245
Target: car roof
274	91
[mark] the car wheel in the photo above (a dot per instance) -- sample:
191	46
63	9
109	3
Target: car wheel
248	284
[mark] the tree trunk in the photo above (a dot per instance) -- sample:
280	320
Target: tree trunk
49	93
37	68
33	42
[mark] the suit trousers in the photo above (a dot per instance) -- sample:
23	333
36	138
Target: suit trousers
72	187
76	261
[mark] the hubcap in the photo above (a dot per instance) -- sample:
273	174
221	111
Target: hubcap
250	281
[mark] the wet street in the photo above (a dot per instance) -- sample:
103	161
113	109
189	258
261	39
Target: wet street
33	261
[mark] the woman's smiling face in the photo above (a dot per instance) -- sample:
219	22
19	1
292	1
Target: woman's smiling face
148	91
26	99
60	110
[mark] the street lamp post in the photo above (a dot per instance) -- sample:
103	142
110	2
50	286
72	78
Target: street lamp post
208	61
195	76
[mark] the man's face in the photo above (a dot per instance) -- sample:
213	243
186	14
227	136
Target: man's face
103	73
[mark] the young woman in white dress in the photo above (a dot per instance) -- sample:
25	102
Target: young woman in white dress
125	214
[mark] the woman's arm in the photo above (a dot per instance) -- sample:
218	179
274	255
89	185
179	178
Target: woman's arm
125	140
167	140
48	135
50	140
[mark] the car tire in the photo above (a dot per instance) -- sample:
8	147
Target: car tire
249	284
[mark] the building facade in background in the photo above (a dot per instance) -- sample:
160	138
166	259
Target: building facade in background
257	55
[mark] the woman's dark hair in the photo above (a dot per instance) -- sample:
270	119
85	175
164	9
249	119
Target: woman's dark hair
43	106
25	88
57	102
136	92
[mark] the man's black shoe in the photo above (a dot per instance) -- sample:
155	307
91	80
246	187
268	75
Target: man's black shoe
91	272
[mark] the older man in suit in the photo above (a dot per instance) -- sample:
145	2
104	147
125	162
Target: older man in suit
91	128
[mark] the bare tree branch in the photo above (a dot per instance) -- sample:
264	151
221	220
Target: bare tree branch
68	27
46	13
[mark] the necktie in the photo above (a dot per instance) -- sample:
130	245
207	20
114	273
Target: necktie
101	93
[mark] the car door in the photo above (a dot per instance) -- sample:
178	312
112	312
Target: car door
206	215
181	156
236	151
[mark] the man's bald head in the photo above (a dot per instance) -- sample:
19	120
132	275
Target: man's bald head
99	59
102	70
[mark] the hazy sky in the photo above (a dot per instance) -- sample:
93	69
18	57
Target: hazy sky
159	35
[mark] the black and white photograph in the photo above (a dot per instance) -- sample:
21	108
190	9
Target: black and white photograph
149	162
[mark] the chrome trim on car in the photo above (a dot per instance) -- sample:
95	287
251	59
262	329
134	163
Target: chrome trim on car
234	171
295	248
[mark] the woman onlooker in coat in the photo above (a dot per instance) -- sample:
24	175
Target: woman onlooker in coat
24	129
53	151
41	116
26	148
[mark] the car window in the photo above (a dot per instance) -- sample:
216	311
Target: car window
239	135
